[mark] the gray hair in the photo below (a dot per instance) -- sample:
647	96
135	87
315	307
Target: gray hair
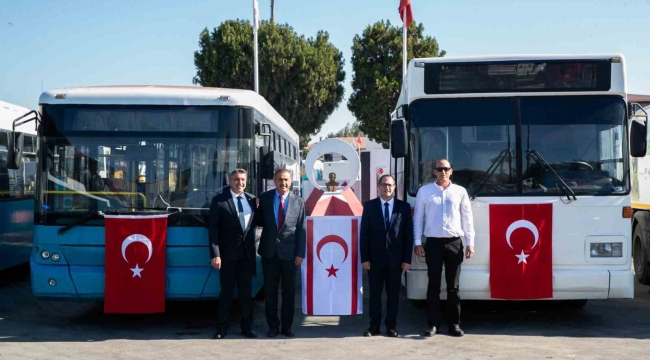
238	171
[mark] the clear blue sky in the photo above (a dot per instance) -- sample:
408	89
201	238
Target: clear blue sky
78	43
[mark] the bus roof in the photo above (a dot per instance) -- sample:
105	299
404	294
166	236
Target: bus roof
525	57
10	112
166	95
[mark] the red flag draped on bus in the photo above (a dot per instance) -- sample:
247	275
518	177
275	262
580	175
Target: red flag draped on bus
405	5
521	251
135	264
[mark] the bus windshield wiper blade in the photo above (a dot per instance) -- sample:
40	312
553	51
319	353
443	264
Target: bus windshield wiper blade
558	180
87	217
495	165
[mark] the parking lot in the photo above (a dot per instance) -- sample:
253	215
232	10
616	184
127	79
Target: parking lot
33	329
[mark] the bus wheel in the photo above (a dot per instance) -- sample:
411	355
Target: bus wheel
640	258
576	304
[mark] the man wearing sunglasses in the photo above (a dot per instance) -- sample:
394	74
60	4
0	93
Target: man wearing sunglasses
443	214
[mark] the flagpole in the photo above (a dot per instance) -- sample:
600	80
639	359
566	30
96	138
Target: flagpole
255	27
404	49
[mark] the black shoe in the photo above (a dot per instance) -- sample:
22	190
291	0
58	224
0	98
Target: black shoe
220	335
430	331
249	334
288	333
454	330
372	332
392	333
272	333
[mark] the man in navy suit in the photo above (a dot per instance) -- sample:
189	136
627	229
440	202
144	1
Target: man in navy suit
386	250
282	248
232	249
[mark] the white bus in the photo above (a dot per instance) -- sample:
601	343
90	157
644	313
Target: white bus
144	149
526	130
16	189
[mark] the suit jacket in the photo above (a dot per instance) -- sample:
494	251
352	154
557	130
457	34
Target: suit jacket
290	240
226	234
374	233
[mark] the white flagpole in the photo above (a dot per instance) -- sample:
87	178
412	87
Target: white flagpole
256	17
404	49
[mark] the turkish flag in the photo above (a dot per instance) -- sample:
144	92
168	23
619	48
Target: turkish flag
331	272
405	5
135	264
521	251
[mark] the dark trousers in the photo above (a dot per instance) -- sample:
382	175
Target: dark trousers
276	270
447	251
239	272
377	278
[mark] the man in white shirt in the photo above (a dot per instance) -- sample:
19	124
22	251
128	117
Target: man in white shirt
443	214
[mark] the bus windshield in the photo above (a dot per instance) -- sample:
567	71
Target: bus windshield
582	138
137	158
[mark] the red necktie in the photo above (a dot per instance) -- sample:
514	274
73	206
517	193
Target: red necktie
280	213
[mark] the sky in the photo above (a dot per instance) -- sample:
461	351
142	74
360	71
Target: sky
65	43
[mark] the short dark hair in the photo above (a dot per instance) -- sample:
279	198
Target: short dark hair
238	171
277	172
386	175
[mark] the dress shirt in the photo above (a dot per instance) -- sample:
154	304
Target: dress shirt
447	212
248	212
390	202
276	203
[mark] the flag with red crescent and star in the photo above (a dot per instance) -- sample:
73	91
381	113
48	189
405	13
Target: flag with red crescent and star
521	251
331	271
135	264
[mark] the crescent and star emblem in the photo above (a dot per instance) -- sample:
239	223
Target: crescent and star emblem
522	224
134	239
336	240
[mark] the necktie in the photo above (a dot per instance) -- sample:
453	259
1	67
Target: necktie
240	208
280	213
386	216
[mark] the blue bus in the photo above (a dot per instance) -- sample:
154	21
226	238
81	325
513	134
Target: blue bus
187	139
16	191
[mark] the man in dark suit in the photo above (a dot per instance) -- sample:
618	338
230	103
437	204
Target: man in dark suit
282	248
232	249
386	250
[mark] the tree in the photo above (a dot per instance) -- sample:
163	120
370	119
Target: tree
300	77
347	131
377	73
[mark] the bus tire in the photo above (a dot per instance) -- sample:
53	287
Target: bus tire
640	257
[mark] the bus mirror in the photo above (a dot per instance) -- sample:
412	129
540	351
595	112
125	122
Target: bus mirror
638	136
638	130
15	150
267	162
398	138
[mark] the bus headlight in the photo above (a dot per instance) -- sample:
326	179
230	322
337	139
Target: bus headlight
606	249
45	254
55	257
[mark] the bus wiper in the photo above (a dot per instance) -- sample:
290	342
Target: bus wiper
87	217
558	180
495	165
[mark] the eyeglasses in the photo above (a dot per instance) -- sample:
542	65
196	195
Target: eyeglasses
386	185
441	169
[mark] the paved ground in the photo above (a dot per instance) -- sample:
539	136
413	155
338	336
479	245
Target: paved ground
32	329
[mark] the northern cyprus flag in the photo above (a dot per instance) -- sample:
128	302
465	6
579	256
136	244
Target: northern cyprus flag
331	271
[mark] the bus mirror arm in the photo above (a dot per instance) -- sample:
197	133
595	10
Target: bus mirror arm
16	139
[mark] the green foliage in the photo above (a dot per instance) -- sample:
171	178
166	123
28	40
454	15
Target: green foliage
300	77
348	131
377	73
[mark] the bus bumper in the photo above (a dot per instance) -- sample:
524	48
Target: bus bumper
567	284
75	282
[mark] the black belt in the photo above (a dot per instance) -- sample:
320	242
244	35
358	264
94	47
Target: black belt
444	238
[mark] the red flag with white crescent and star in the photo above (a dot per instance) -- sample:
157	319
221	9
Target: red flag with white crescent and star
521	251
331	271
135	264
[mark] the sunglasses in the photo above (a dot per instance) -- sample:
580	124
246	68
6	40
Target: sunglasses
441	169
